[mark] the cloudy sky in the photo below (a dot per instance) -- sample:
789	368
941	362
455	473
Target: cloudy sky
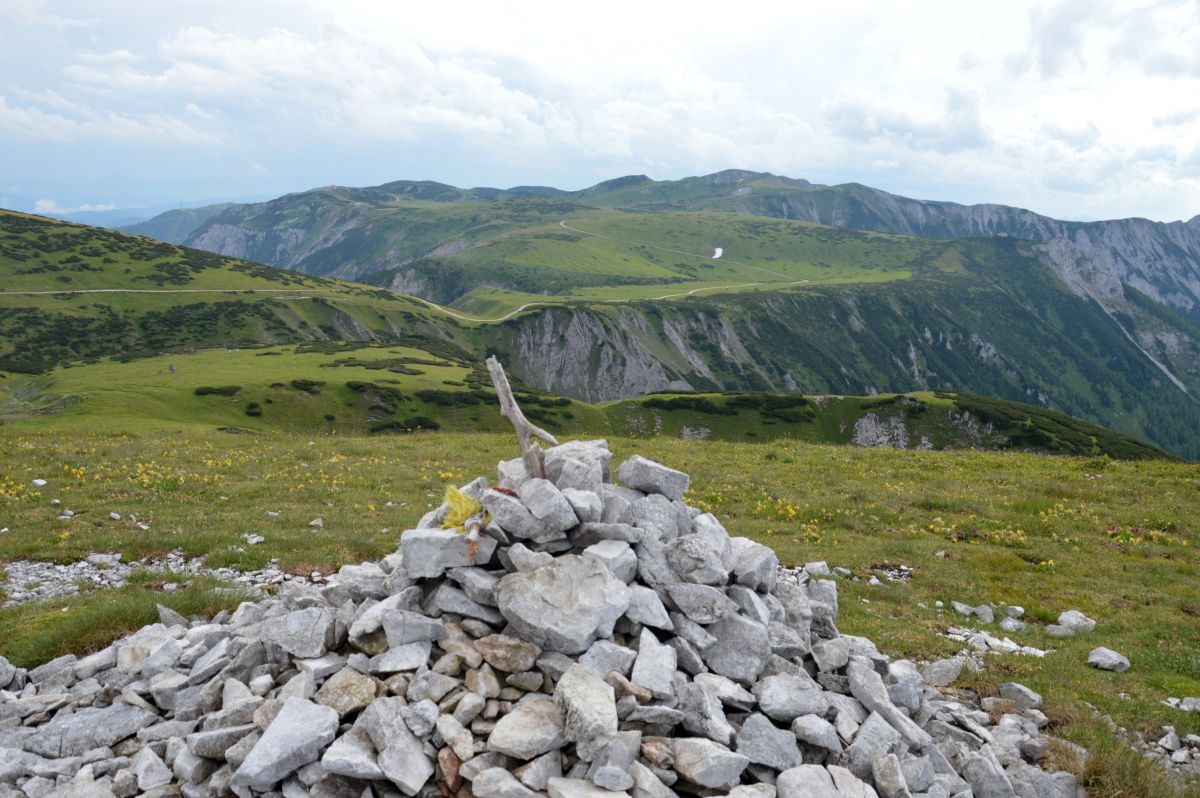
1077	109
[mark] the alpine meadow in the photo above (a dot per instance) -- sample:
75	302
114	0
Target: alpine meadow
321	475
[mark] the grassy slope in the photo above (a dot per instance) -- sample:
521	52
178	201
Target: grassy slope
1114	539
174	297
324	389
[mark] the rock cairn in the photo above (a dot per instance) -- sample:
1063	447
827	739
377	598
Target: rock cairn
592	640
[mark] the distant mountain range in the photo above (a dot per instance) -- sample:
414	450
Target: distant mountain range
614	291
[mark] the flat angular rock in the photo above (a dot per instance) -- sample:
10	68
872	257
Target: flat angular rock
589	710
765	744
579	788
815	730
867	686
588	452
304	633
1020	695
654	667
741	651
531	729
511	515
587	504
297	736
806	781
605	656
71	734
150	770
346	692
698	558
401	755
549	508
407	657
352	755
707	763
565	605
509	654
1108	660
499	783
701	603
403	627
617	556
429	553
650	477
754	565
785	697
943	672
646	608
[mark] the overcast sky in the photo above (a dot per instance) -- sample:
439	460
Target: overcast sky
1078	109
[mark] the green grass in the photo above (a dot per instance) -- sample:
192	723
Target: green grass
1114	539
365	389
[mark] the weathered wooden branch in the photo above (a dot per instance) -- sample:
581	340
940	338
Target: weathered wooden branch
531	453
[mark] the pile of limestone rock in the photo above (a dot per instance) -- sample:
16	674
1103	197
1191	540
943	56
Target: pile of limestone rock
595	640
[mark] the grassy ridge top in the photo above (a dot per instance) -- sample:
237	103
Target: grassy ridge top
331	389
1042	532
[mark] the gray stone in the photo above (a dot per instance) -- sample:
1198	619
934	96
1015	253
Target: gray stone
1107	660
589	710
297	736
565	605
699	558
401	755
654	667
352	755
549	508
617	556
213	744
1075	622
765	744
403	627
587	504
537	774
650	477
707	763
754	565
149	769
511	515
477	583
806	781
703	713
579	788
867	686
815	730
346	692
822	594
785	697
593	452
984	773
889	778
531	729
304	633
448	598
875	738
605	656
499	783
509	654
72	733
429	553
646	608
741	651
702	603
430	685
1020	695
407	657
943	672
831	655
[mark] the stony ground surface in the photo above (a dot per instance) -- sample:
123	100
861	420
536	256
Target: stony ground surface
598	639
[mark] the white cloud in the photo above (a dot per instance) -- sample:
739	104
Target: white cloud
1075	108
51	207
